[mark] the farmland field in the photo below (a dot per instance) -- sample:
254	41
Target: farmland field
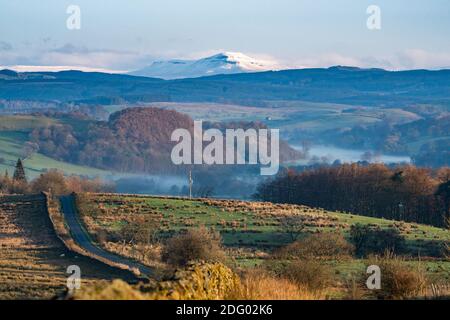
14	133
287	115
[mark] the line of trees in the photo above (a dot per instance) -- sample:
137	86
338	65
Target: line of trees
52	180
406	193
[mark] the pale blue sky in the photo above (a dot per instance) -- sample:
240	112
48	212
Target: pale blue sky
124	34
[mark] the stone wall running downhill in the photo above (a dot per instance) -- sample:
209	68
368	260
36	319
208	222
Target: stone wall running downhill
63	233
198	281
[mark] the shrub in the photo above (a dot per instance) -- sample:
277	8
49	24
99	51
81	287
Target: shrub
311	274
140	231
52	180
196	282
195	245
18	187
399	280
101	236
323	245
377	241
80	184
355	288
293	225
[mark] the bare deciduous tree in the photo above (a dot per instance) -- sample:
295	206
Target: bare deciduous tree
293	225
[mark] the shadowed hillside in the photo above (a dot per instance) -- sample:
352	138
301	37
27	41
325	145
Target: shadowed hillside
374	87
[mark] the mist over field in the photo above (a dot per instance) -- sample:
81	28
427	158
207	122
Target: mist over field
150	184
330	154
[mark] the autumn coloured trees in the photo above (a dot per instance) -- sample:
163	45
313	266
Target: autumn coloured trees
405	193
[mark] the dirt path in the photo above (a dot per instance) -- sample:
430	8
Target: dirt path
81	237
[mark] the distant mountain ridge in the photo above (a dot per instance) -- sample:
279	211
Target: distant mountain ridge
222	63
344	85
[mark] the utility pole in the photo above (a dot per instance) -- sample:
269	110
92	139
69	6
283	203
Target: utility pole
401	210
190	184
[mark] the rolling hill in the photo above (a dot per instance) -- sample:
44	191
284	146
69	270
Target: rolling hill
341	106
14	133
251	231
344	85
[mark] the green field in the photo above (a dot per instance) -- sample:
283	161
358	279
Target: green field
242	226
289	115
415	146
251	231
14	133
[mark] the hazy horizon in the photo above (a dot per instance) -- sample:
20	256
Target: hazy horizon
287	34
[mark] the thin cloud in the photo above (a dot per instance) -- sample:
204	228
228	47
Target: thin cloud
25	68
5	46
76	57
421	59
69	56
404	60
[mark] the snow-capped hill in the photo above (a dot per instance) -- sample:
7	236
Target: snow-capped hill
222	63
240	60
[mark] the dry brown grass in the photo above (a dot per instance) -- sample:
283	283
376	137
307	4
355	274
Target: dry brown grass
33	261
258	285
312	217
317	246
399	280
114	211
149	255
248	217
440	291
312	274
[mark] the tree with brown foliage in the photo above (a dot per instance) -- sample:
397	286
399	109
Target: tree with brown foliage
133	140
52	181
403	193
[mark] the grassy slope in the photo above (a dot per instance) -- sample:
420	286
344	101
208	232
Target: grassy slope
415	146
314	117
14	131
293	117
290	115
244	225
184	212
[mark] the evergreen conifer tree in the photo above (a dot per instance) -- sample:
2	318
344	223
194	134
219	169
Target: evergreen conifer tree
19	173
